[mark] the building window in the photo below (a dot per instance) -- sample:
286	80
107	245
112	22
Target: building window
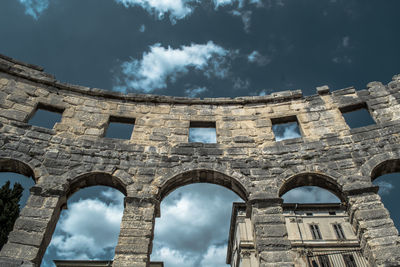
46	116
357	116
202	132
285	128
349	260
120	127
316	234
339	231
314	263
324	261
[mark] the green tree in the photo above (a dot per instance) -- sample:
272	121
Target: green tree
9	209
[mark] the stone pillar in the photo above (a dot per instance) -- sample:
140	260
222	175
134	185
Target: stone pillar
136	234
271	242
33	229
375	229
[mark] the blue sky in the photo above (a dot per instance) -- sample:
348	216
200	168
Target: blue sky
198	48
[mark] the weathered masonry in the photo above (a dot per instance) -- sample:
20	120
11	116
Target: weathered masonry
158	158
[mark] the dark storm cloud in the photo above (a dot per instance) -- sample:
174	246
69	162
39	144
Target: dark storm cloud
86	42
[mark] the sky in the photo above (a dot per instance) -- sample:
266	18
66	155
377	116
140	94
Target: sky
198	48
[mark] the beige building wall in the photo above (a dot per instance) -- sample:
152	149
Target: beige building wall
332	249
241	250
327	246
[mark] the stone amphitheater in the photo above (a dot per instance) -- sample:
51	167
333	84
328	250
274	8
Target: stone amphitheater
158	158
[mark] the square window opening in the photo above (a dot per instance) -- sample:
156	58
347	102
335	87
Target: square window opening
285	128
357	116
46	116
202	132
120	128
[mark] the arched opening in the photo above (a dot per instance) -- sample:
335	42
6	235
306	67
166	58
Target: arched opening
88	227
202	176
195	222
315	186
16	178
318	224
310	194
386	175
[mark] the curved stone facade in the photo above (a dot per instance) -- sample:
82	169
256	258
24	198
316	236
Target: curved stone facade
158	158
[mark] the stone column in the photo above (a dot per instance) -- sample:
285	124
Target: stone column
272	245
375	229
136	234
33	229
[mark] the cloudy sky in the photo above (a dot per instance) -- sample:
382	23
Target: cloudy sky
197	48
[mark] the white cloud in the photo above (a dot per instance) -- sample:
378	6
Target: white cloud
238	83
345	41
202	135
215	256
89	228
342	59
384	187
142	28
238	3
194	222
264	92
172	257
220	3
309	194
341	53
34	8
286	131
177	9
246	18
194	92
256	57
163	64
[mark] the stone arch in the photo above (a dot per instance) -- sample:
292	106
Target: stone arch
312	179
71	186
18	166
381	164
203	175
93	179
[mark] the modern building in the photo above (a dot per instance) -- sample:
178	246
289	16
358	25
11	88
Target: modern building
320	236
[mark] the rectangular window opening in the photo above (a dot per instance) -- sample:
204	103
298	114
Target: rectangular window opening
285	128
357	116
339	231
202	132
332	213
316	234
46	116
120	127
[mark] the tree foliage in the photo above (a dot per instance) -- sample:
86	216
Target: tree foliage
9	209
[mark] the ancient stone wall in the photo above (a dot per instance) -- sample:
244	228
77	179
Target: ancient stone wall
158	158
